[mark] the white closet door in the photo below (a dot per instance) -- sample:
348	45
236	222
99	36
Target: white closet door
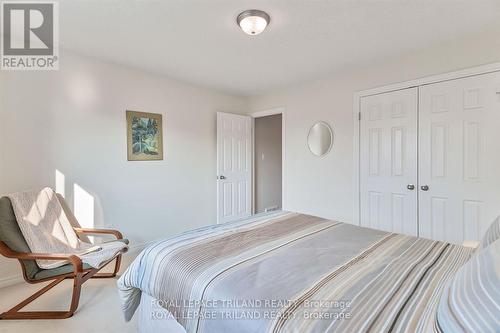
459	153
234	172
388	161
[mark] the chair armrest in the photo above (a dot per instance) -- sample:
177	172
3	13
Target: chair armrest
116	233
74	260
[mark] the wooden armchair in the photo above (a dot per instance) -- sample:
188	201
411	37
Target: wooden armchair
13	245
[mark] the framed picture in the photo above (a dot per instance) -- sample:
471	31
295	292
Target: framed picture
144	136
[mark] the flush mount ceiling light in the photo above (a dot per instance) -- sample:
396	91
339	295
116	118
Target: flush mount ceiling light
253	21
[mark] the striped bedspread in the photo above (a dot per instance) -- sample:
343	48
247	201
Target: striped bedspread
294	273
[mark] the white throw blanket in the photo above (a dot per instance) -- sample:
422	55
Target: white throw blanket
46	228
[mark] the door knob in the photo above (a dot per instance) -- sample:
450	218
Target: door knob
222	177
411	187
424	188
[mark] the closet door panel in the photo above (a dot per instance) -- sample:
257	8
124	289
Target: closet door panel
459	157
388	161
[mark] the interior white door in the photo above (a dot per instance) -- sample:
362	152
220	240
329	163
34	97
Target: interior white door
388	161
459	153
234	160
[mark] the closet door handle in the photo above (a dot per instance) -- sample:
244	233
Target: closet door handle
411	187
424	188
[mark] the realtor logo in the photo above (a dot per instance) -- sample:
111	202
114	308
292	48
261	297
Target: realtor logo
30	33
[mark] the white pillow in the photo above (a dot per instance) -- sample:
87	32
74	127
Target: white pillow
471	301
492	234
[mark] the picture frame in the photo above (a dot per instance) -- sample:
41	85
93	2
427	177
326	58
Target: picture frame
144	136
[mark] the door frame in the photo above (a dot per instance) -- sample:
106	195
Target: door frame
260	114
453	75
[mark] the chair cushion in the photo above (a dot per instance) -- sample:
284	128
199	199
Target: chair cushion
48	273
11	235
45	226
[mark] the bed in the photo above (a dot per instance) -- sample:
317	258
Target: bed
289	272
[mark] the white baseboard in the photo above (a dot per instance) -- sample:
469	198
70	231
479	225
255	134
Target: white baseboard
10	280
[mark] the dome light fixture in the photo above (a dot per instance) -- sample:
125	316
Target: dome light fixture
253	21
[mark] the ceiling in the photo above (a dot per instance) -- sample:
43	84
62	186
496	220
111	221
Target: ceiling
198	41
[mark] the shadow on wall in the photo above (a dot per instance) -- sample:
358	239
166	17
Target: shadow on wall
82	202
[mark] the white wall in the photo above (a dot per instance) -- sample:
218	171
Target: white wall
324	186
73	120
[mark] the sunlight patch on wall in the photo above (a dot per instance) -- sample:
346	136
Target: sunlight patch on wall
83	207
61	183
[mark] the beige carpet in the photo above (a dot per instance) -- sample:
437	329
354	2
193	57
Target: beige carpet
99	309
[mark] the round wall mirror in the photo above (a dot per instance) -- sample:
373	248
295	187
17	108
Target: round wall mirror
320	139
